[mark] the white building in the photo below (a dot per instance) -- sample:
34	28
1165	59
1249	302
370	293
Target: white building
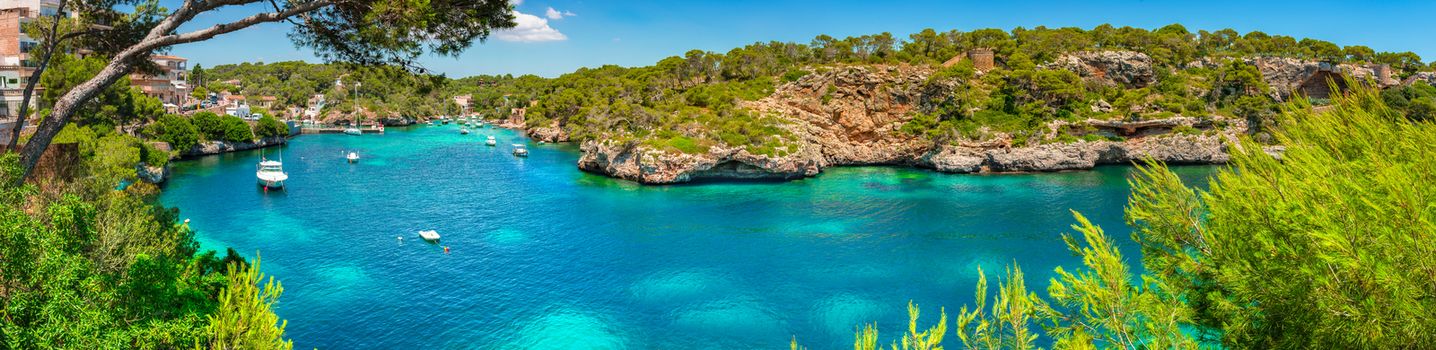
316	104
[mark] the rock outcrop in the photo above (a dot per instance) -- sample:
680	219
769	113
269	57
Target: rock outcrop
552	133
1127	68
397	121
1427	77
152	174
1287	76
217	147
853	115
644	164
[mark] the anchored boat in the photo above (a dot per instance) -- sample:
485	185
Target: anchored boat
429	235
520	150
271	174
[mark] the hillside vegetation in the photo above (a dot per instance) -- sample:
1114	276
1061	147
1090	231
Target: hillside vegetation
691	102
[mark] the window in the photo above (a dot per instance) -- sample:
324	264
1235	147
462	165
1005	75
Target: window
26	46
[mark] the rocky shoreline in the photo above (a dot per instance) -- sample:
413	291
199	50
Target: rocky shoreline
216	147
650	166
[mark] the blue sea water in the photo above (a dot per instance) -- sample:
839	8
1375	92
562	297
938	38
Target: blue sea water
544	256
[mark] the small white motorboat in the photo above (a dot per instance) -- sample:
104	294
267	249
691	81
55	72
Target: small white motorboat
271	174
353	131
520	150
464	131
429	235
352	157
491	141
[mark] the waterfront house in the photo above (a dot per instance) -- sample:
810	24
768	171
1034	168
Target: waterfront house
168	84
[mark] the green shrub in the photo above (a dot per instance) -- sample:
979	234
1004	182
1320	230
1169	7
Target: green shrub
209	124
153	157
235	129
115	158
1186	130
267	127
178	131
685	144
794	75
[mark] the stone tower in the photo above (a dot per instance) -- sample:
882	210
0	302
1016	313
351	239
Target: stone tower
981	58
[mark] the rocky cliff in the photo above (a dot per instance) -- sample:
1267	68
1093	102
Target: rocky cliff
551	133
852	115
217	147
1286	75
1127	68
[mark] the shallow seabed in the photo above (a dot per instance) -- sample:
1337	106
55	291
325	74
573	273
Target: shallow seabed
544	256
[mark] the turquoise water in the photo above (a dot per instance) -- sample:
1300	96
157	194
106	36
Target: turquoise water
544	256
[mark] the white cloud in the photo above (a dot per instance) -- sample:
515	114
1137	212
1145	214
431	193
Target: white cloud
529	28
516	3
556	14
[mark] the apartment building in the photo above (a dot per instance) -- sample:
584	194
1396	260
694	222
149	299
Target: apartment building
169	83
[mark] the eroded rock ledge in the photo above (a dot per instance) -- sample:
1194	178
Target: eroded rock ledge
647	165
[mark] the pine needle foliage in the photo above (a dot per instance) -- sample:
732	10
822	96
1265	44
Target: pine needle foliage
926	339
1327	247
245	318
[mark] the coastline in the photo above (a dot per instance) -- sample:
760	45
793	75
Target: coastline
646	165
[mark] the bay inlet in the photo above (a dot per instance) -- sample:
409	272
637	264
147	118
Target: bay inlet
545	256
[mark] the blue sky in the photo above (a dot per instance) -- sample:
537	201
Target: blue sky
583	33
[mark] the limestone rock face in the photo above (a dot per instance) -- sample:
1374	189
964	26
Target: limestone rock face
641	163
552	133
1427	77
217	147
397	121
858	120
853	116
1128	68
152	174
1286	75
1176	149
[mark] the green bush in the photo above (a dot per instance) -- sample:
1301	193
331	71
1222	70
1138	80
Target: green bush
209	124
1186	130
235	129
178	131
152	156
685	144
794	75
267	127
